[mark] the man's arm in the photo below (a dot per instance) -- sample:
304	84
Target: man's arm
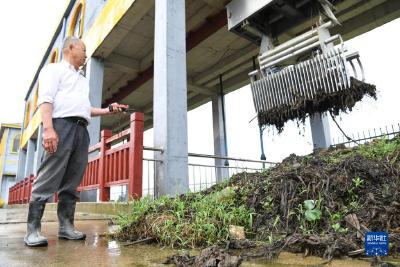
50	137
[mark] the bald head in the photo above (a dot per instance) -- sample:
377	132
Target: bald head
70	41
74	51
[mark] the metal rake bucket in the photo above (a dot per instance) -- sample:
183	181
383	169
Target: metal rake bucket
327	81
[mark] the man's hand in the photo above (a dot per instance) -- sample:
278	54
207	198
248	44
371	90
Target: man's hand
116	108
50	140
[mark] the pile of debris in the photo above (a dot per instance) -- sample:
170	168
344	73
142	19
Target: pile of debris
320	204
334	103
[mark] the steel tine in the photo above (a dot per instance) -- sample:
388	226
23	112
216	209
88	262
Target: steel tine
345	74
297	81
278	89
280	86
290	83
288	86
275	91
284	88
338	69
345	68
267	93
256	96
253	92
302	81
335	68
308	84
261	97
270	92
315	75
309	78
328	76
260	94
361	68
332	72
252	86
293	82
264	94
321	72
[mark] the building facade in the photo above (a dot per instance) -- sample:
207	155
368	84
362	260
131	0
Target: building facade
164	58
9	143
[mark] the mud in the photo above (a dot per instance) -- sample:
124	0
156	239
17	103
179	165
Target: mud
335	103
319	205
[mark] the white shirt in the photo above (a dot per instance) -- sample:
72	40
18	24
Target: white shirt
66	88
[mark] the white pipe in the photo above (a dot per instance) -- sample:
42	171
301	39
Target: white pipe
290	50
295	40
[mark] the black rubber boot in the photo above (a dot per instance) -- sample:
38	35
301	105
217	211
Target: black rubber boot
33	238
65	213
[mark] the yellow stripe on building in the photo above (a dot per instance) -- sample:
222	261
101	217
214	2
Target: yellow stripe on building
105	22
31	128
103	25
3	147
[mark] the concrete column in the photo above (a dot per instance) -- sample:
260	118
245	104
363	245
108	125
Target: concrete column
95	75
30	157
220	148
39	150
320	132
320	129
170	98
21	165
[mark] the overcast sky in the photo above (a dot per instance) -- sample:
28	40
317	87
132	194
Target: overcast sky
28	26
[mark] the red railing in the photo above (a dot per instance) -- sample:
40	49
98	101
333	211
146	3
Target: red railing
21	191
112	166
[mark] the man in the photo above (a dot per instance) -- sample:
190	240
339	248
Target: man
65	110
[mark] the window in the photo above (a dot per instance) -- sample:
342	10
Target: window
54	56
77	19
15	143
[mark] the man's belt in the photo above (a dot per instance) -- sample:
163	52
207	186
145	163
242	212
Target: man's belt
77	120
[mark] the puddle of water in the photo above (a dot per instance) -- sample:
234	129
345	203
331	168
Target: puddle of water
94	251
98	251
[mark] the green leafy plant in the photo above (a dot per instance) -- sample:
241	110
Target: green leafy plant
312	212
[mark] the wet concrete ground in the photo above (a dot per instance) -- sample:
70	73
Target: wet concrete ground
96	250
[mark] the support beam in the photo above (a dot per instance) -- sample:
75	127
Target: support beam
21	165
220	148
319	123
95	74
215	3
122	63
30	155
233	60
212	25
320	131
170	98
201	90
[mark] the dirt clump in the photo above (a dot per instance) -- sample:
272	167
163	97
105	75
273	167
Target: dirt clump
340	101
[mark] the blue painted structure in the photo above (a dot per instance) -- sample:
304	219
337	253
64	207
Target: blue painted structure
9	144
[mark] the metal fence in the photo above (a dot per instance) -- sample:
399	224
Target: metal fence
204	170
368	135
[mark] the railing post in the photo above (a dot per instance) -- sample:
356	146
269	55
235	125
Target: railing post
136	156
26	189
104	192
21	191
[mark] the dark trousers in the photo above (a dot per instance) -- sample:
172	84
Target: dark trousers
63	171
